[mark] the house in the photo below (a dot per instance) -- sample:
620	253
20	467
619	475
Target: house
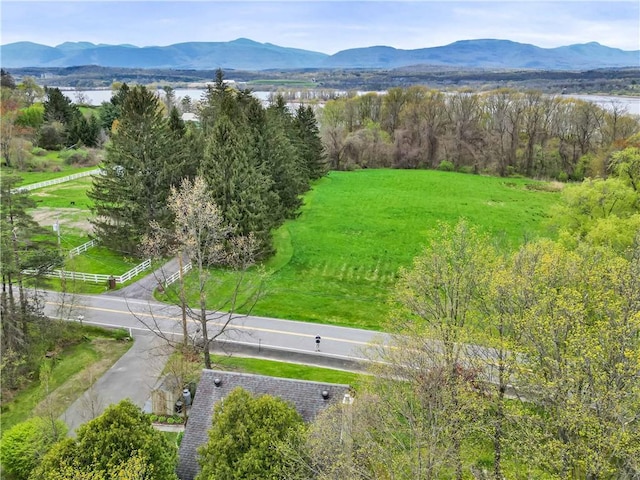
189	117
309	399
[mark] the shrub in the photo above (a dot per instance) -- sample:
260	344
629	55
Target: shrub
52	136
76	157
179	438
153	417
171	420
38	152
32	116
162	419
24	444
121	334
466	169
446	166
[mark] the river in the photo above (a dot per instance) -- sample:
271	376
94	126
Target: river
96	97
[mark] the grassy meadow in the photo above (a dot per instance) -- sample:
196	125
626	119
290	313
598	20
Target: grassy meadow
338	261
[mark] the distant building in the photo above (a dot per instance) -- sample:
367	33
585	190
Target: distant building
190	117
309	399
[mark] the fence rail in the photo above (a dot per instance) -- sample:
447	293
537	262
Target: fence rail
175	276
55	181
133	272
82	248
95	277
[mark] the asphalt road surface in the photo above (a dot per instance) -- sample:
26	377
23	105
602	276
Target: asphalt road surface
251	331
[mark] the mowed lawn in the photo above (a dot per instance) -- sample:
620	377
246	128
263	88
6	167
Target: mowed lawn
338	261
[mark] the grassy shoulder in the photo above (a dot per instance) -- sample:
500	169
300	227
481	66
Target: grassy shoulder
338	261
189	368
73	369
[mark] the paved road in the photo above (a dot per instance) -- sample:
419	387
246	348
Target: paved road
136	372
257	332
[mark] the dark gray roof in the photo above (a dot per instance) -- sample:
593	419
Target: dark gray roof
306	397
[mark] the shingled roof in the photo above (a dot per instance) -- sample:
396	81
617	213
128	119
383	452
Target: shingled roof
309	399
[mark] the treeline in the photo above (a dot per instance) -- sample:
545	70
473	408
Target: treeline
502	132
256	161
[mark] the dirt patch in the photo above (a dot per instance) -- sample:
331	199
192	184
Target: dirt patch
69	217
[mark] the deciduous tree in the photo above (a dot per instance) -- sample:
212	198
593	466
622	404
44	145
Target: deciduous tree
121	440
201	234
244	437
23	445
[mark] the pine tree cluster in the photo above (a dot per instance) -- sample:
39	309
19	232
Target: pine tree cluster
256	160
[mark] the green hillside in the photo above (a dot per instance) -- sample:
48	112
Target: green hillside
338	261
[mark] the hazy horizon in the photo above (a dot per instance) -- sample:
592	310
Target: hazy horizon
322	26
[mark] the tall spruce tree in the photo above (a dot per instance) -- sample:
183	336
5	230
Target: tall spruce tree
310	145
144	159
281	159
239	188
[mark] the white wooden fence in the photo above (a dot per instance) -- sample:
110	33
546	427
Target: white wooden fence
174	277
82	248
95	277
134	271
56	181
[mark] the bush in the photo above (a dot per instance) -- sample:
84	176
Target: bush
162	419
171	420
446	166
179	438
23	445
38	152
76	157
121	334
153	417
467	169
52	136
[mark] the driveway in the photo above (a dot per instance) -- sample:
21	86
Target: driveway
133	376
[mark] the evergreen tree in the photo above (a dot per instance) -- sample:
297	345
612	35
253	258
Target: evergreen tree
241	191
110	111
281	161
310	144
83	132
58	107
176	124
59	110
143	161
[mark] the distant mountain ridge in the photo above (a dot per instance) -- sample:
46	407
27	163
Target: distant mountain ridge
245	54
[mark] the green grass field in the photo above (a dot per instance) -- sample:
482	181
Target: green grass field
338	261
37	177
45	167
71	194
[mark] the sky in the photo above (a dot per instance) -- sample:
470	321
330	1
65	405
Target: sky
323	26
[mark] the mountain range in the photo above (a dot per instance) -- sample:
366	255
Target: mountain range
245	54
